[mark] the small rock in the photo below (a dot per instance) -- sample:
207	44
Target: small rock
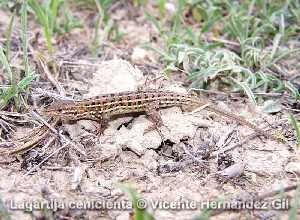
271	106
109	151
293	167
77	177
135	139
150	160
117	192
233	171
114	76
140	55
135	146
268	162
88	125
177	125
123	216
74	130
107	184
170	8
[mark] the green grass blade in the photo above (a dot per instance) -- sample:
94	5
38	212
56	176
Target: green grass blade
282	56
246	89
154	21
26	81
7	95
6	66
12	80
276	42
289	86
296	127
8	35
54	5
162	7
24	36
139	214
12	92
43	15
39	11
178	16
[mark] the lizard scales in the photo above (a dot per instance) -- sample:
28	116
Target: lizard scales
105	106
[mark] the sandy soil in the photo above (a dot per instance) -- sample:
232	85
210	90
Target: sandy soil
201	157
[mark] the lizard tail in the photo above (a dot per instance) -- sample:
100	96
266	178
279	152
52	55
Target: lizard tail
239	119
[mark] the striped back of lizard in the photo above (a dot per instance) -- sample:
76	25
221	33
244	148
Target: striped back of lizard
108	105
119	103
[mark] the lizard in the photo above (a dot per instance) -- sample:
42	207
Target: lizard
102	108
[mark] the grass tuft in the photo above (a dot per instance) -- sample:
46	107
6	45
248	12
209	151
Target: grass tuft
250	61
14	87
296	127
48	16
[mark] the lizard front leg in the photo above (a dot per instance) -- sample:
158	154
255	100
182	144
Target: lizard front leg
102	121
152	112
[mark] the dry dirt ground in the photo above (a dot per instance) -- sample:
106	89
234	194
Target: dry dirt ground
200	156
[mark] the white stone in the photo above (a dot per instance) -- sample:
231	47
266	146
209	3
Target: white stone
114	76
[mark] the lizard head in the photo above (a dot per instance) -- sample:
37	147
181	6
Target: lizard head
61	109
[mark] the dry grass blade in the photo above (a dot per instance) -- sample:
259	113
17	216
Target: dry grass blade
36	136
46	70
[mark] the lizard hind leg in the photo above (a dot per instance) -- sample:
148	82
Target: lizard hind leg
102	124
155	118
188	108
